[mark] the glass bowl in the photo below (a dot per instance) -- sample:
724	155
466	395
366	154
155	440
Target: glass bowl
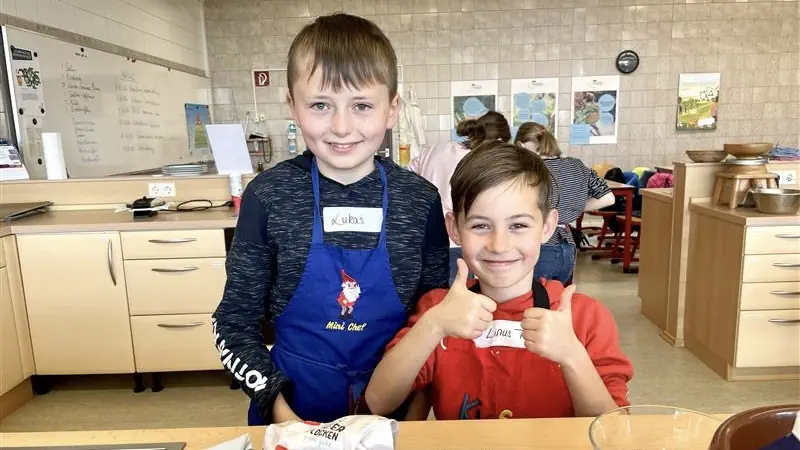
652	427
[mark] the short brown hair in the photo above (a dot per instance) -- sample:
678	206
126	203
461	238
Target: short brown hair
491	126
546	144
493	163
351	52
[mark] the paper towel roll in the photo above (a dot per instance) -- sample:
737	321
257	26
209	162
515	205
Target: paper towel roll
54	164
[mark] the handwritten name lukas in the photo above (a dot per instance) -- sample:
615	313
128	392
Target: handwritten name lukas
348	219
340	326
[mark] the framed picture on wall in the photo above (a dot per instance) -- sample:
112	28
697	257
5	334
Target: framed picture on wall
698	97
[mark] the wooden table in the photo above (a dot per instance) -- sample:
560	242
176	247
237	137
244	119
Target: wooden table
510	434
626	191
664	169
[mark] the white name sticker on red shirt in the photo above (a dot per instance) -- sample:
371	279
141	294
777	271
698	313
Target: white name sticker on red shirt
501	333
360	220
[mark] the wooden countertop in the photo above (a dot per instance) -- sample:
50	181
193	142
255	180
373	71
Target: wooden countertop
108	220
684	163
572	433
744	216
662	194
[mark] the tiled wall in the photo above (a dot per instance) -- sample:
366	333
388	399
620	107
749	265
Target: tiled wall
755	45
169	29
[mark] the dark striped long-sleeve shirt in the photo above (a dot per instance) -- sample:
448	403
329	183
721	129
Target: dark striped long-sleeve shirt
270	248
573	184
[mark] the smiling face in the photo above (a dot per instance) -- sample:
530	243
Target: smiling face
343	129
500	237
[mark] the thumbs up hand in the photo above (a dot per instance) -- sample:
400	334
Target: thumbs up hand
549	333
463	313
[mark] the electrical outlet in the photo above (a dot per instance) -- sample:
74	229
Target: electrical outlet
787	177
160	190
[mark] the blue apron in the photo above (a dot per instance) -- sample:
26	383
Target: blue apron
332	334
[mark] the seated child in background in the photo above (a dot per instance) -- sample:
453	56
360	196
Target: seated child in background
495	348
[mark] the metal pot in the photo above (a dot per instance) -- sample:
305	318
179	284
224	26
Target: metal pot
776	201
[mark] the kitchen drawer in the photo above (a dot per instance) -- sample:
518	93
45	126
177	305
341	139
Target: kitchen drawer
768	240
174	286
768	339
173	244
765	296
174	343
769	268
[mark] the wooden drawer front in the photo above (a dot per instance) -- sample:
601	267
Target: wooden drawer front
173	244
768	339
769	268
174	343
767	240
175	286
765	296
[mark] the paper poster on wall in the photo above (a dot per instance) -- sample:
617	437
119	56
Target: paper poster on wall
595	103
698	96
534	100
470	100
27	81
197	117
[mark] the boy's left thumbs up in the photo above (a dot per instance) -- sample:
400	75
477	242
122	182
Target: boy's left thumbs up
566	299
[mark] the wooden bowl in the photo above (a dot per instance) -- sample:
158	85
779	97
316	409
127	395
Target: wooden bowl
706	156
748	151
755	428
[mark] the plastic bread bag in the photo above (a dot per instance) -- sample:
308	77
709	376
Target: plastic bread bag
347	433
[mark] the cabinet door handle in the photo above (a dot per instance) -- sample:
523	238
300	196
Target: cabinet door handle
111	262
784	292
784	321
786	265
787	236
180	325
172	241
174	269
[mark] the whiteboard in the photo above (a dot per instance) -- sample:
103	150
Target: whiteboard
115	114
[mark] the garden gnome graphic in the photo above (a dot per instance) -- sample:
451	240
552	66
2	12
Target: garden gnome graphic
347	298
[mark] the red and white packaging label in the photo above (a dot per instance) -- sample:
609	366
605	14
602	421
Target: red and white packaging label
347	433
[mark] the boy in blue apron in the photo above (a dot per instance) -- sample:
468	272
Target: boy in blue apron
334	247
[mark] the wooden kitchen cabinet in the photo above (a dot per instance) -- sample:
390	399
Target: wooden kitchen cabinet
172	343
9	244
654	259
742	315
11	372
77	303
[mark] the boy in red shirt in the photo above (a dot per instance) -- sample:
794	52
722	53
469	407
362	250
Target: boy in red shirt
496	348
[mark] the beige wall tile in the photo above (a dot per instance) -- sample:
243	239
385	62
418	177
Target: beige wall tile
755	46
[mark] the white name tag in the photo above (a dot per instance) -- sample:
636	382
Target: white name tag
501	333
361	220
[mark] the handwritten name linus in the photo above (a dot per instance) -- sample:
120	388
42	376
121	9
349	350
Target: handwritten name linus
347	219
503	332
340	326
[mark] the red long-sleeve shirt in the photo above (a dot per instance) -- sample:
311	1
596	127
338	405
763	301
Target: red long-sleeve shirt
468	382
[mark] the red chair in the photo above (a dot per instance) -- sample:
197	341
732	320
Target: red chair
601	232
636	227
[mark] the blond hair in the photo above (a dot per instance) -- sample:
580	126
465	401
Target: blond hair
546	144
351	52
